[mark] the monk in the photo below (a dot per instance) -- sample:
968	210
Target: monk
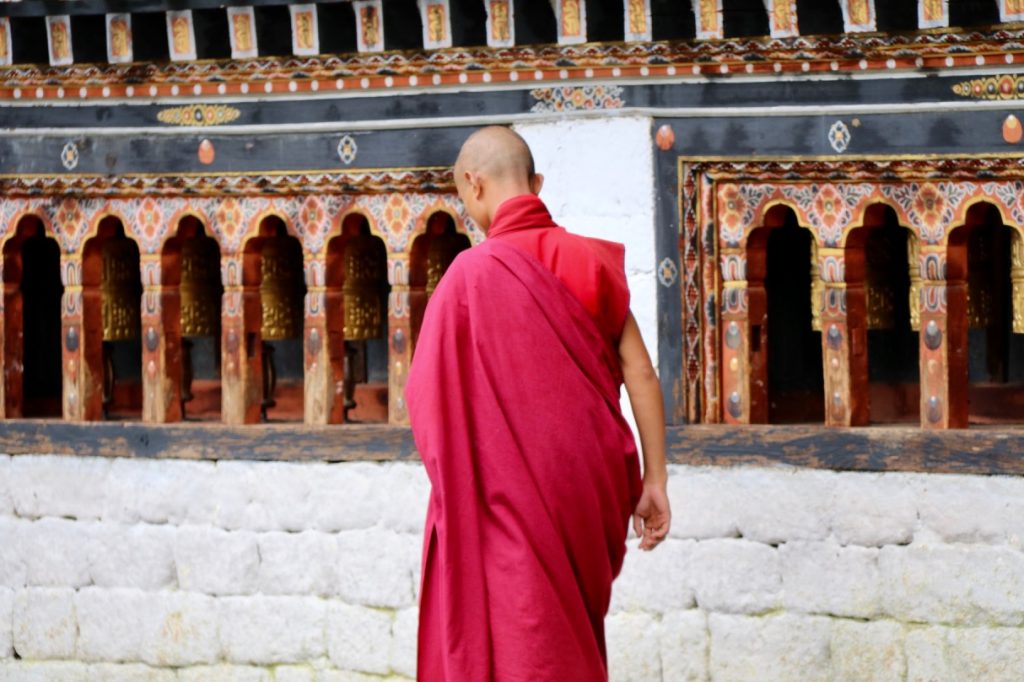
513	396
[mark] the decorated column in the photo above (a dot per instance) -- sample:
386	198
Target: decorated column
241	340
844	336
400	346
161	344
943	352
322	391
744	342
82	372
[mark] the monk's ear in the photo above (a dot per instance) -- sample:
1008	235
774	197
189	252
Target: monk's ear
536	183
473	182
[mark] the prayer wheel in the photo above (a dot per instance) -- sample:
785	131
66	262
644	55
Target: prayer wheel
365	288
121	290
282	289
442	251
200	287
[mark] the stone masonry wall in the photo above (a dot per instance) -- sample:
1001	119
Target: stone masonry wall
120	569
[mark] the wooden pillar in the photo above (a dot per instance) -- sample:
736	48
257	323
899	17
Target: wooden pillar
744	352
161	343
82	343
844	337
323	401
943	350
400	334
10	348
241	340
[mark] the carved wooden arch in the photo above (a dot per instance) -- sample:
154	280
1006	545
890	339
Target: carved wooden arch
12	306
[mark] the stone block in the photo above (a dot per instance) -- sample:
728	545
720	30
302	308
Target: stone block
351	496
140	555
58	485
735	576
403	642
867	651
768	648
161	491
683	638
6	623
377	567
656	581
110	623
633	647
331	675
55	552
826	578
44	671
874	509
953	584
45	626
6	498
272	629
359	638
297	563
294	673
224	673
216	561
13	572
130	672
264	496
783	505
704	504
974	509
404	493
179	628
983	653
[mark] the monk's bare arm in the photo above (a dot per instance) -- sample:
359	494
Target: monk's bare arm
652	516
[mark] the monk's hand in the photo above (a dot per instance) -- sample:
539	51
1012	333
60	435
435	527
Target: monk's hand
652	517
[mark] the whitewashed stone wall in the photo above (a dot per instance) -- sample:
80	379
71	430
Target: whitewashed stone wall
121	569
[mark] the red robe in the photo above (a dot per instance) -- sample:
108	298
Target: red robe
514	400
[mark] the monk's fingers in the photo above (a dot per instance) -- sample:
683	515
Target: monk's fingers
637	526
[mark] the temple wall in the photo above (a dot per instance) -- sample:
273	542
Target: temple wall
164	570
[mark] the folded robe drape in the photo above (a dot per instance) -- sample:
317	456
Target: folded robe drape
514	401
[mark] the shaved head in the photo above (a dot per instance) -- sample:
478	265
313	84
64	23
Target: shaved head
497	153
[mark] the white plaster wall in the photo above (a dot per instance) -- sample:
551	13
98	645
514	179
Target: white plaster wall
174	570
598	182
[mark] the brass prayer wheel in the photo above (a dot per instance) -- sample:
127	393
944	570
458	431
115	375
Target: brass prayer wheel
441	252
200	287
121	290
365	288
282	288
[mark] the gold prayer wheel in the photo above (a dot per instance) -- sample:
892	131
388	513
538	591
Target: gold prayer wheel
365	288
282	288
441	252
121	290
200	287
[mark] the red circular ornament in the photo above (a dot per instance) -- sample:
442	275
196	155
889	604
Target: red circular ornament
206	152
665	138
